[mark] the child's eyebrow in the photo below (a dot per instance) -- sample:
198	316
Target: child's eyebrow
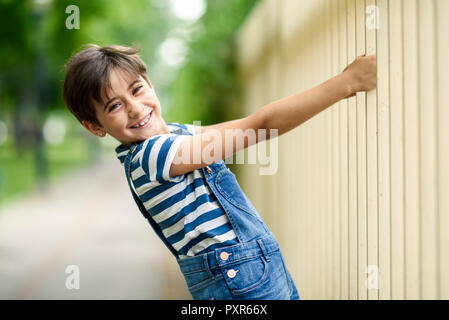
113	98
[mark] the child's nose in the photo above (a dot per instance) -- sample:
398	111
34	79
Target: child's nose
134	109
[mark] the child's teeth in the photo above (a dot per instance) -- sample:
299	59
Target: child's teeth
142	123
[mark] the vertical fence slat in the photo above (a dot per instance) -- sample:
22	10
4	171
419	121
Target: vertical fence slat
266	75
315	162
272	186
397	149
343	142
442	42
329	159
305	159
411	116
428	177
291	216
361	161
336	160
383	150
352	159
324	155
372	183
324	147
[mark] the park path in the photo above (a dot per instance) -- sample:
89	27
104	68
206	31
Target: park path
86	222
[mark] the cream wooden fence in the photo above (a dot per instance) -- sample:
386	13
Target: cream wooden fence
361	192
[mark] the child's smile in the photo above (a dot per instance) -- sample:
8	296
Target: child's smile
143	123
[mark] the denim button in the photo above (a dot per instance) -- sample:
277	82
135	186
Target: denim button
224	256
231	273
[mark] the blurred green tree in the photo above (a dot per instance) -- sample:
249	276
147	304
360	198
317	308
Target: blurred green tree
206	87
35	44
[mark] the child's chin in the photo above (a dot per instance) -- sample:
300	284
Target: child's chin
142	135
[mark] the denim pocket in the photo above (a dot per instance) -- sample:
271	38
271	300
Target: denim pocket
244	276
258	279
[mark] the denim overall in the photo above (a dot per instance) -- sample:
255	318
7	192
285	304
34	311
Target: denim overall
252	269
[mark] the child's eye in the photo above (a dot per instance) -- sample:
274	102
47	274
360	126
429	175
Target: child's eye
114	106
137	89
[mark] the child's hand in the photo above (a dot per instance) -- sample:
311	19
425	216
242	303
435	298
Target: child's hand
362	74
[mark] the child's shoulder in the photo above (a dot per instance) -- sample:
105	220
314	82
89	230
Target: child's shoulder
168	139
175	128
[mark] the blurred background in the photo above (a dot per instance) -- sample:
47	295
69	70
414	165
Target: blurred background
358	200
54	174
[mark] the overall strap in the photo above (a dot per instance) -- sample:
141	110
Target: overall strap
142	209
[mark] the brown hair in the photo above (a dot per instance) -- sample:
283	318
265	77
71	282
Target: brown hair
87	76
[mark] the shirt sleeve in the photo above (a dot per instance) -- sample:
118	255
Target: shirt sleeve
189	127
157	156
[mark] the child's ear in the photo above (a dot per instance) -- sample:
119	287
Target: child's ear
94	128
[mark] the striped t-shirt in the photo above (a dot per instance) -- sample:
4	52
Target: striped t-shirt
187	211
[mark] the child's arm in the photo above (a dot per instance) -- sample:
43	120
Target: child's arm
211	145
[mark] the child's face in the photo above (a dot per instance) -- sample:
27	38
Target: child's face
132	102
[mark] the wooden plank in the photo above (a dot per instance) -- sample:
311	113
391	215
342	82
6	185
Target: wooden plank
343	141
442	43
322	135
305	155
397	149
383	149
314	61
283	155
250	40
361	161
297	221
321	132
411	156
291	215
428	174
336	283
271	183
372	183
329	157
352	159
265	56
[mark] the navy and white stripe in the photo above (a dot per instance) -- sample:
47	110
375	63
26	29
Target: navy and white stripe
189	214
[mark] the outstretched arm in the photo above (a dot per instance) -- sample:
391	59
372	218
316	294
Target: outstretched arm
217	142
288	113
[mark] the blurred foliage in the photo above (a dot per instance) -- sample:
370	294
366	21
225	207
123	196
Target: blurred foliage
18	172
35	44
206	86
33	34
